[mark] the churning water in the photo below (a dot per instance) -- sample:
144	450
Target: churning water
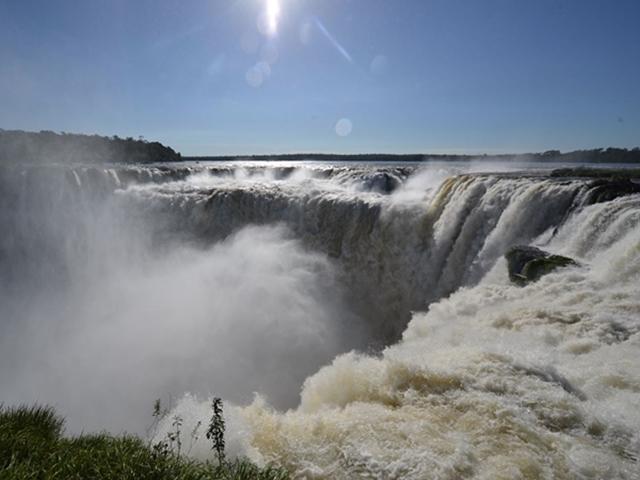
368	306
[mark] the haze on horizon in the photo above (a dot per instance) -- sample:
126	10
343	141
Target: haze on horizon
215	77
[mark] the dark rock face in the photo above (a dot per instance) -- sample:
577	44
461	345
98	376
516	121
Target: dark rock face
382	182
605	190
528	264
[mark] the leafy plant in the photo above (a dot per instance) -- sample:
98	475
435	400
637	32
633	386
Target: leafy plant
32	446
215	432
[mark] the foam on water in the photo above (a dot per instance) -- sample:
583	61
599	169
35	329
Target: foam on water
483	380
495	381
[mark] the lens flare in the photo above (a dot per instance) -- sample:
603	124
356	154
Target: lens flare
334	42
272	13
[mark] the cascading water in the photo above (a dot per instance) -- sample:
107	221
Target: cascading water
230	279
495	381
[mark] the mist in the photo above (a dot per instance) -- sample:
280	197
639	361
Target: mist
133	317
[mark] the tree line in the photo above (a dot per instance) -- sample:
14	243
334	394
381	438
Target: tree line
596	155
17	146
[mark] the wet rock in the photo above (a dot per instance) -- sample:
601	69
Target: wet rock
382	182
615	333
528	264
551	375
600	173
606	190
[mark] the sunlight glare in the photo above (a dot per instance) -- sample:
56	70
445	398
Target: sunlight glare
273	13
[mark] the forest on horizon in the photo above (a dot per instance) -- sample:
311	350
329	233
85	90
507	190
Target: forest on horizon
17	146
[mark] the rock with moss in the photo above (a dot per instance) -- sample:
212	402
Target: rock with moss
528	264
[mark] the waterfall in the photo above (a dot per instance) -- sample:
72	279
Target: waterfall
385	287
396	256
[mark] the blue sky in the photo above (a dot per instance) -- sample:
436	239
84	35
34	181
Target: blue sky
228	77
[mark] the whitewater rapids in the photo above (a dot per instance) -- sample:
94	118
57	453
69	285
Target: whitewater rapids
479	378
493	382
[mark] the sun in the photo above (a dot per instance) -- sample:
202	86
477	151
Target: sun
272	14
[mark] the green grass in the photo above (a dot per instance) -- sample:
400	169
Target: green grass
32	446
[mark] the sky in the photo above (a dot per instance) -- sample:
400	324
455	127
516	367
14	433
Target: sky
234	77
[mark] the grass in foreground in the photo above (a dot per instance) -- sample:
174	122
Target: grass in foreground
32	447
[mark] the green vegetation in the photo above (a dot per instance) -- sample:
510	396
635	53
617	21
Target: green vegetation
32	446
215	432
48	147
538	267
17	146
596	155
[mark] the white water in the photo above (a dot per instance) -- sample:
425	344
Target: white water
493	381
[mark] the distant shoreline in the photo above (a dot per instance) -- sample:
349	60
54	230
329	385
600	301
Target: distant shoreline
45	147
608	155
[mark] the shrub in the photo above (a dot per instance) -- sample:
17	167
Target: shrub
32	446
